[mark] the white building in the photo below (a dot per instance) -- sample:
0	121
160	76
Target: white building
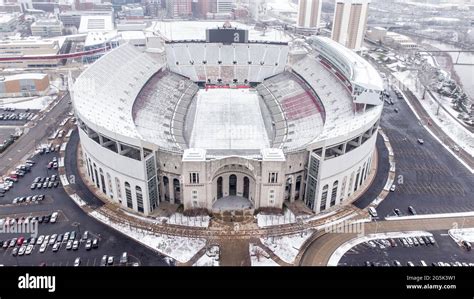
47	28
28	47
8	22
96	23
233	126
225	6
350	20
309	13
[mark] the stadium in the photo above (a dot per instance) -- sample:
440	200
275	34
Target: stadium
226	120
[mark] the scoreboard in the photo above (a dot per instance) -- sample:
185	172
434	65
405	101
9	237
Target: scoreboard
227	35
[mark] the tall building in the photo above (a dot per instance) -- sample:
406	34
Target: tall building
309	13
179	8
224	6
350	20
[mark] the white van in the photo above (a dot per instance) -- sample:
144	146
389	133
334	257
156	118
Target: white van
373	212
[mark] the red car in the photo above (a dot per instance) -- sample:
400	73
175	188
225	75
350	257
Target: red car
20	241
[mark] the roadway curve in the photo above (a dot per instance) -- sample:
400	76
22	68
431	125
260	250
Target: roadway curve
321	249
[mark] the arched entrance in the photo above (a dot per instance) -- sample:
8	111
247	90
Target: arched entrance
246	188
166	189
219	188
177	191
232	185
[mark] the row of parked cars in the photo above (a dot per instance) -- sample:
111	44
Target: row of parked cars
28	199
17	116
49	149
14	176
109	260
422	263
45	182
9	221
406	242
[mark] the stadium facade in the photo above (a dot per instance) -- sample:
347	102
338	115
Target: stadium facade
228	122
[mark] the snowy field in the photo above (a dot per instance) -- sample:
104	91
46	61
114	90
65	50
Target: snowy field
339	253
451	127
228	119
258	257
210	258
286	247
288	217
459	234
181	249
38	103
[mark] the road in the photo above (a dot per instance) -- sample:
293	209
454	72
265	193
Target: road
319	252
39	131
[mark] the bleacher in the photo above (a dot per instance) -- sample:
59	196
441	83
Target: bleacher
296	111
160	109
337	102
241	62
105	98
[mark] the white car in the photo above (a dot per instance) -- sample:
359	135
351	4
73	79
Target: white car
54	217
420	141
77	262
40	240
29	249
22	250
392	188
43	247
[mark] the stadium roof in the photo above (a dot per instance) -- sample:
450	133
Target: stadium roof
196	30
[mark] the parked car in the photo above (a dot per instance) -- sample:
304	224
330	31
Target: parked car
75	245
54	217
95	243
411	210
397	212
392	188
77	262
467	245
373	212
88	244
103	261
69	245
110	260
420	141
124	258
56	246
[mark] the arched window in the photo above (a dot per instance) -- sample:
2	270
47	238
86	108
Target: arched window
219	188
356	186
324	197
119	189
102	181
166	191
139	194
334	193
128	195
96	176
109	184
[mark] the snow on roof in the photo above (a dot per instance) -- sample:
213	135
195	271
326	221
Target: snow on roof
95	23
31	76
362	72
98	38
104	94
129	35
196	30
6	18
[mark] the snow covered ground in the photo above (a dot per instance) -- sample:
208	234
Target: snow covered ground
38	103
339	253
180	219
459	234
258	257
210	258
181	249
264	220
451	127
286	247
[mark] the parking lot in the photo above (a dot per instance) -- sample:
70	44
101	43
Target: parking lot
70	218
15	117
428	177
377	253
